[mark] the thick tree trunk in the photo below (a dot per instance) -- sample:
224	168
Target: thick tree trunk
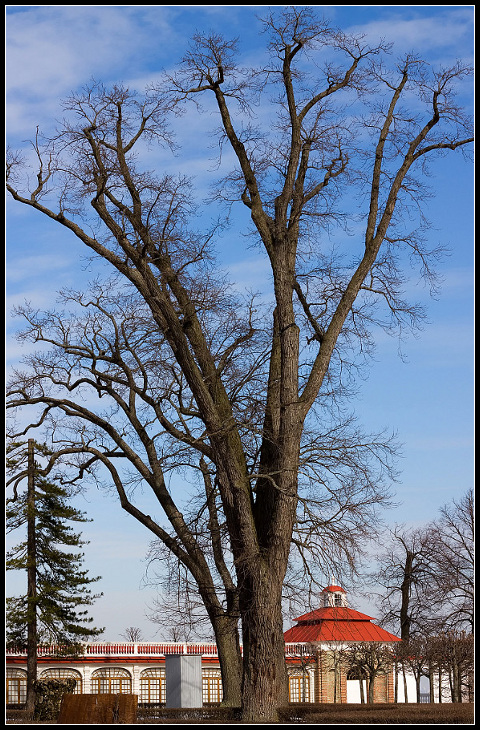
230	657
265	684
265	687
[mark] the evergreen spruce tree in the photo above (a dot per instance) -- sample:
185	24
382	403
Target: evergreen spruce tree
62	586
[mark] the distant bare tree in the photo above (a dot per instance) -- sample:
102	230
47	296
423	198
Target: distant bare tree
369	660
427	574
403	573
451	554
415	657
132	633
455	653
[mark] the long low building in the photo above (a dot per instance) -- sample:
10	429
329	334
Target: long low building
315	651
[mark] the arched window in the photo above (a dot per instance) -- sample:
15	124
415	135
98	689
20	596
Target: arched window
152	686
111	680
16	686
65	674
299	687
212	687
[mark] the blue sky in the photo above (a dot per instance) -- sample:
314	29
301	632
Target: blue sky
427	399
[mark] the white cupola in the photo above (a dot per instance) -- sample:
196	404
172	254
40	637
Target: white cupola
334	596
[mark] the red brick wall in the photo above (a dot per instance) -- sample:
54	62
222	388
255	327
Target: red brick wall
325	682
330	686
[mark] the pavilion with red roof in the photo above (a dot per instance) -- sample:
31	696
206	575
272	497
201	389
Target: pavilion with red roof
326	630
334	621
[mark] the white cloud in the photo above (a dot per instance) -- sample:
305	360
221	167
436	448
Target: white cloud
443	31
51	50
36	265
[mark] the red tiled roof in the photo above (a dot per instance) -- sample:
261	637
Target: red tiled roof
336	624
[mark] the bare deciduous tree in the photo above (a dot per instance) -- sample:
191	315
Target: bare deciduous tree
428	573
403	574
414	656
368	659
295	183
453	654
132	633
451	550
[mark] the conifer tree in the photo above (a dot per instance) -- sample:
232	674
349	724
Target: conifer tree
62	587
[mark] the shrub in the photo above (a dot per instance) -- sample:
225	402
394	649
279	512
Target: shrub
49	693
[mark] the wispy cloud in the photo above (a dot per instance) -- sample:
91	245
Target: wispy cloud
439	31
51	50
37	265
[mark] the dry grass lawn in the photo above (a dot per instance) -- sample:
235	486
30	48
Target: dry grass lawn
324	714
